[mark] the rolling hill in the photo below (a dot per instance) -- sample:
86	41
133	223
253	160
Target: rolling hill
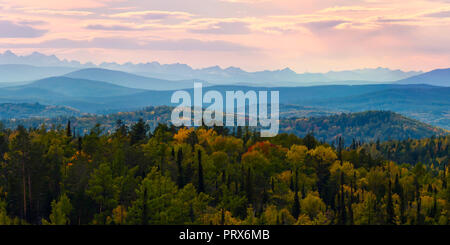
128	80
426	103
438	77
26	110
72	87
12	73
422	102
364	126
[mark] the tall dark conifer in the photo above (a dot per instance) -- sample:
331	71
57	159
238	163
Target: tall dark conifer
180	179
343	213
68	130
201	186
296	206
390	206
249	186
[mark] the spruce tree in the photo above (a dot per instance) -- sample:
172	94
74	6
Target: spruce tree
201	187
390	206
68	130
343	213
249	186
180	179
296	206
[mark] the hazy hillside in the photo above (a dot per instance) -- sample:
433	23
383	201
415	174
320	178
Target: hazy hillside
425	103
77	87
129	80
378	74
25	110
438	77
20	73
152	115
365	126
362	126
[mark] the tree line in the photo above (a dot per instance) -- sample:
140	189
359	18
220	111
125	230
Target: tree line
217	175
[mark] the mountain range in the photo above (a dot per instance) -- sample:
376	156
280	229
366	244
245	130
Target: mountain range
131	80
95	89
214	74
438	77
423	102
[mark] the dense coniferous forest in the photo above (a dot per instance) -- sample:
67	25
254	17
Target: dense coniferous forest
133	175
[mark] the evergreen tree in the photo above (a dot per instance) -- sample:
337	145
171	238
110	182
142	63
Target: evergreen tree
418	202
343	213
201	185
239	132
121	128
390	206
68	130
139	131
296	206
249	186
180	180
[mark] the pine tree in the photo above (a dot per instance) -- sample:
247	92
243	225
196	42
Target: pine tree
239	132
272	184
434	209
418	202
249	186
68	130
121	128
144	218
343	213
350	208
139	131
397	187
180	180
80	144
201	187
390	206
339	149
291	184
296	206
444	179
222	217
172	153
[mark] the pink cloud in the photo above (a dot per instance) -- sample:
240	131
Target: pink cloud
306	35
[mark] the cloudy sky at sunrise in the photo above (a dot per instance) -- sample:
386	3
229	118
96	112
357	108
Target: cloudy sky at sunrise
307	36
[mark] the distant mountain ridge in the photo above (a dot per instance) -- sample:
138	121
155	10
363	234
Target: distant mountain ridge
426	103
76	87
11	73
39	59
218	75
438	77
130	80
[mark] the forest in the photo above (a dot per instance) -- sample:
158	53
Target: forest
217	176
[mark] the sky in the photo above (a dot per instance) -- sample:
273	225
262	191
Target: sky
304	35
